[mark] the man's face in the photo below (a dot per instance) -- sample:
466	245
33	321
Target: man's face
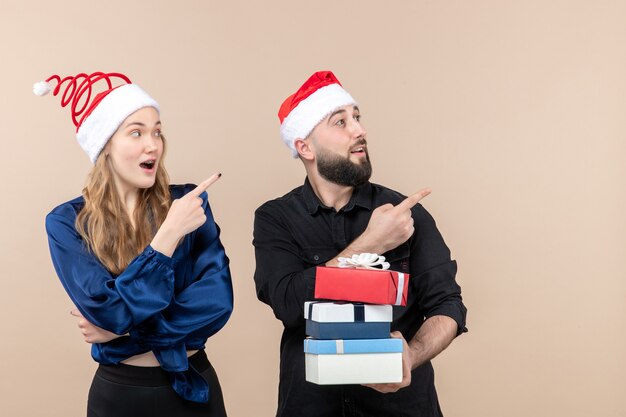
340	147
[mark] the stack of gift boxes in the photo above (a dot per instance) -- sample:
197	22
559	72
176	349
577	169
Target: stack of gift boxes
349	341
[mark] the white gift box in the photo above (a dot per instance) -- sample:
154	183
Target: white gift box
332	320
360	361
330	312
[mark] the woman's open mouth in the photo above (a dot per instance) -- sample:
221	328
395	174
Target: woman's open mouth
148	165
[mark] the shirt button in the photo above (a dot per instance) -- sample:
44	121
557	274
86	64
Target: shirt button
316	257
346	400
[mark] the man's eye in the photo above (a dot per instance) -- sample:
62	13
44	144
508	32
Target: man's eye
157	133
135	133
340	122
357	117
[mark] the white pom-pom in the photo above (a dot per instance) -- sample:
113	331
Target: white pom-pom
41	88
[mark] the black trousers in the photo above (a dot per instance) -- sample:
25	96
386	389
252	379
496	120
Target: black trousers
136	391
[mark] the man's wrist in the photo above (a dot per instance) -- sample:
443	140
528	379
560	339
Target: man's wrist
364	244
417	352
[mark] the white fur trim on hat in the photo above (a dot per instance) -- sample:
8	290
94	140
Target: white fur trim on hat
115	107
311	111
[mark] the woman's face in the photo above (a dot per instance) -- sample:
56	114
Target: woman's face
135	149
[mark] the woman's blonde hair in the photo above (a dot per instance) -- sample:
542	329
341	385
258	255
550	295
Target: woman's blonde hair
104	224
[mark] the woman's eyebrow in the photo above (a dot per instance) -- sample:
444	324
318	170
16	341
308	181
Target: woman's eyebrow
142	124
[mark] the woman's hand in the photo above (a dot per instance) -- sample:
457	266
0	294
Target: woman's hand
185	216
91	332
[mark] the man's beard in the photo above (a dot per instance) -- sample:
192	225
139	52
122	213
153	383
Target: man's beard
342	171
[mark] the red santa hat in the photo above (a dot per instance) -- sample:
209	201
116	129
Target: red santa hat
319	96
97	117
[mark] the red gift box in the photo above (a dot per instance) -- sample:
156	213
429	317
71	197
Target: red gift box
374	286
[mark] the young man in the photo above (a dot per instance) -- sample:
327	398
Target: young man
338	212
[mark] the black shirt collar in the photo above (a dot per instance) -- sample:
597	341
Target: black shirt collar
361	196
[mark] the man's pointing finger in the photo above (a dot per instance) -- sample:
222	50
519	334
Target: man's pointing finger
412	200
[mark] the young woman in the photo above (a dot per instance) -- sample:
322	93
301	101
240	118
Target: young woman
140	259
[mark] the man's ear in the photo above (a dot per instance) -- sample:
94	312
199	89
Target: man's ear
304	150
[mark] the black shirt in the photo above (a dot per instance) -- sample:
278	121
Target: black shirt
294	234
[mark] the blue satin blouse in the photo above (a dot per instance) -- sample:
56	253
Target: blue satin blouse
165	305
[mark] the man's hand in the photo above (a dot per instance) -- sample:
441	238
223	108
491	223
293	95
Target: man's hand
406	370
435	334
91	332
388	228
391	226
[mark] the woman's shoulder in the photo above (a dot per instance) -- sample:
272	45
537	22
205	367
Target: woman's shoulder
70	208
179	190
61	219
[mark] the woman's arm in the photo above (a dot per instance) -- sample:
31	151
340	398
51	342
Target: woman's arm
202	308
114	304
144	288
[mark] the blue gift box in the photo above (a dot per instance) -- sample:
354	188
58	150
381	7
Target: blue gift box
340	347
361	330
